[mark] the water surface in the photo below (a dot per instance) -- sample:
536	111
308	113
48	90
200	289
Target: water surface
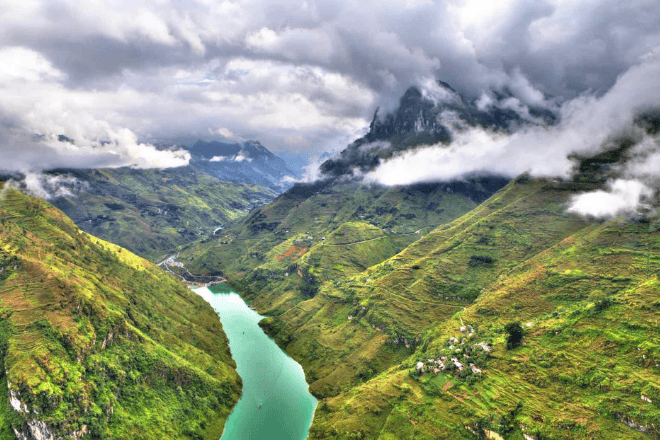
276	404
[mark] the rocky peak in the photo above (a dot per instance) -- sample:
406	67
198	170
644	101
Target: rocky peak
425	117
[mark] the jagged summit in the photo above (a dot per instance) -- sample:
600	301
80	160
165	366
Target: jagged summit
426	117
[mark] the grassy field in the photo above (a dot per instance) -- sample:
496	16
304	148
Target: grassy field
97	340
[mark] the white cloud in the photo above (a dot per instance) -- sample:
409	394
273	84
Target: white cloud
228	134
623	196
35	108
23	64
276	69
586	123
238	158
48	186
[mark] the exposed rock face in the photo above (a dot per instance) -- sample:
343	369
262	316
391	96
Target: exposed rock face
36	429
422	119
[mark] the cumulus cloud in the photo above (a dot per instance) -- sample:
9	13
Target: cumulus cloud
622	196
35	110
35	113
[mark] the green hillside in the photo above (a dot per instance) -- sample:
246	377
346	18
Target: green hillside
151	212
308	213
585	294
99	343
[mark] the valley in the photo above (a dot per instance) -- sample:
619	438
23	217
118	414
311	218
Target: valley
471	308
518	257
275	402
153	212
288	220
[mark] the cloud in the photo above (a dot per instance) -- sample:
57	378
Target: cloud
587	123
238	158
312	171
48	186
36	110
623	196
228	134
283	71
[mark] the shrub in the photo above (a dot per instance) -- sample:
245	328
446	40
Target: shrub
515	331
480	260
602	304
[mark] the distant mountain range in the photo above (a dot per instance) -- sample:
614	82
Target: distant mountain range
152	212
247	162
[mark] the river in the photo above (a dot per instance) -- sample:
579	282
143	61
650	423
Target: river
276	403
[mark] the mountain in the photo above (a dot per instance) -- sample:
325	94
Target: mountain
425	119
248	162
583	291
468	309
99	343
311	211
152	212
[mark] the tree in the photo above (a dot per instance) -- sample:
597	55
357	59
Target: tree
515	331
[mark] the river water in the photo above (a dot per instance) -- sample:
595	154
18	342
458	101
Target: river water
276	403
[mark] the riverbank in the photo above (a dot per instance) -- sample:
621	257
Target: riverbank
276	403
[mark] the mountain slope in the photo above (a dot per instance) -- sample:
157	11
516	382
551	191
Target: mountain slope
406	306
585	293
97	341
340	195
151	212
305	214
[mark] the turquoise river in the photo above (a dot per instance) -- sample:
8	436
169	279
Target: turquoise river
276	403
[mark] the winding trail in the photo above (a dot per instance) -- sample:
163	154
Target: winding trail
190	281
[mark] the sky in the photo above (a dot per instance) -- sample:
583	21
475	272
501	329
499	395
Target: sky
302	77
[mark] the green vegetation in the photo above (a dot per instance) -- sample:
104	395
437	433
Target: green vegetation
98	342
345	213
515	334
151	212
585	295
